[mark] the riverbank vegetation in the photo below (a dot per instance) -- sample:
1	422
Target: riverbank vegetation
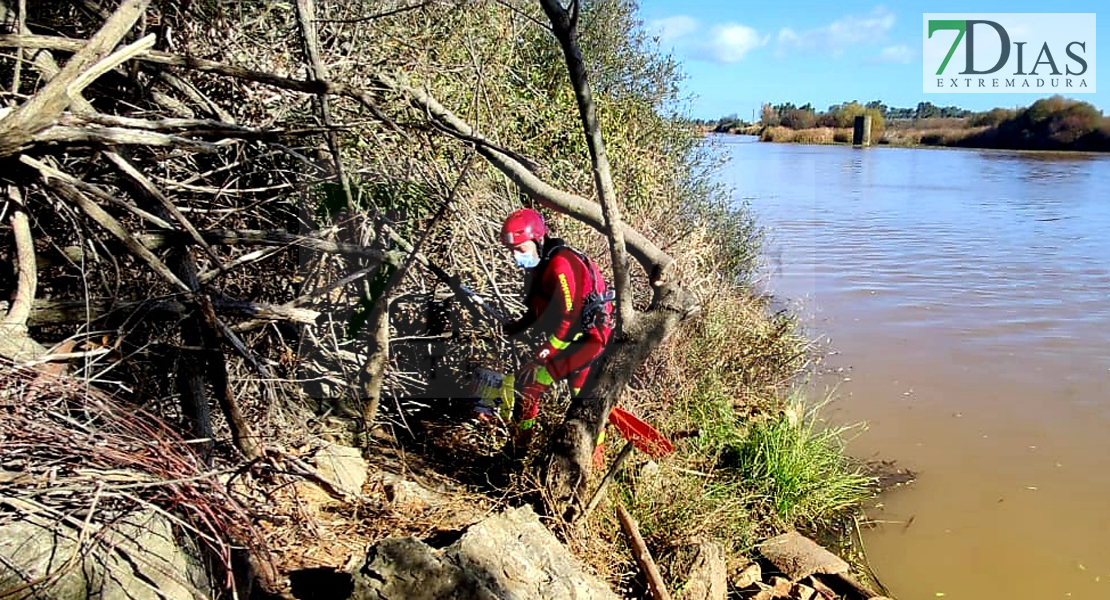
223	229
1054	123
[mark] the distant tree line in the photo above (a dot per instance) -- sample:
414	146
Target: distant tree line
788	113
806	116
1054	123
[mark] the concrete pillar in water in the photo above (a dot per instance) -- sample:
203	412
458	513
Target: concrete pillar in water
861	136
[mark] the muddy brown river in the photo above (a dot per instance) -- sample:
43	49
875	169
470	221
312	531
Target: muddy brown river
965	297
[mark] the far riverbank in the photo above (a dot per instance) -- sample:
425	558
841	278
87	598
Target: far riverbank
1055	124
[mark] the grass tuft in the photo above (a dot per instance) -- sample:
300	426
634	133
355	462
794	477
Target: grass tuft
795	462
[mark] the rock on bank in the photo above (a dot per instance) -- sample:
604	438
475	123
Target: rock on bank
508	556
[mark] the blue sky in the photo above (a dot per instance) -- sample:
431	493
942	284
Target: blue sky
739	55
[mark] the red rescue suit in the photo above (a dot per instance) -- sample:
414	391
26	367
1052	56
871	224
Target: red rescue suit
556	291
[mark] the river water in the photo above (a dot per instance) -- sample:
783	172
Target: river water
965	297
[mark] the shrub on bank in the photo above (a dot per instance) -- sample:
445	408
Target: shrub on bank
992	118
1055	123
799	119
944	137
776	133
928	123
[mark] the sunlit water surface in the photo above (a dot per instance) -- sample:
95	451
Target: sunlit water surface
966	295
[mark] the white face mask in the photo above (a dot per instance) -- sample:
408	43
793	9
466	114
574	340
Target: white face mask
526	260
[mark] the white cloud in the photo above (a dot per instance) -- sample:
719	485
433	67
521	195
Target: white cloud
839	35
673	29
725	43
729	43
900	54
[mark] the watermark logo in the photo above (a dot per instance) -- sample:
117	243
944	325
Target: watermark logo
1009	53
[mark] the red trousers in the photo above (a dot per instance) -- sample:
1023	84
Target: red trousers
572	364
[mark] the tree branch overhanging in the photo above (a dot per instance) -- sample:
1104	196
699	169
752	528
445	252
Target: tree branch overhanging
654	261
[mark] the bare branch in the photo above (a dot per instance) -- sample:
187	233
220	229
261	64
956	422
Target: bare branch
21	24
523	14
191	92
643	556
64	184
383	14
108	136
210	66
199	127
242	237
353	277
39	112
564	28
108	63
152	191
25	262
256	237
55	312
47	42
306	15
241	432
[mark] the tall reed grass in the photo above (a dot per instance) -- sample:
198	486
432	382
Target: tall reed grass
816	135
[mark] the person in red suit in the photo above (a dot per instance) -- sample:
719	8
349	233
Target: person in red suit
566	299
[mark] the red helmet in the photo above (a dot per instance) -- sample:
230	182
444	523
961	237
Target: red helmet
521	226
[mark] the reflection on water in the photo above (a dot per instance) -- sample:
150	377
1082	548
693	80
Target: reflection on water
967	294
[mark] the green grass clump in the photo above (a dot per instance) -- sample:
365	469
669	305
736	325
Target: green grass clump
756	468
795	464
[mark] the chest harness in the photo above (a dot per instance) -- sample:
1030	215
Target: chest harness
594	315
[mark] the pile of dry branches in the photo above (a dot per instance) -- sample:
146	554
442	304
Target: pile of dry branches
183	200
176	233
83	460
199	214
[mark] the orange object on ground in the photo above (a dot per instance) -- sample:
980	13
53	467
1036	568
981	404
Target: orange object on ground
643	436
